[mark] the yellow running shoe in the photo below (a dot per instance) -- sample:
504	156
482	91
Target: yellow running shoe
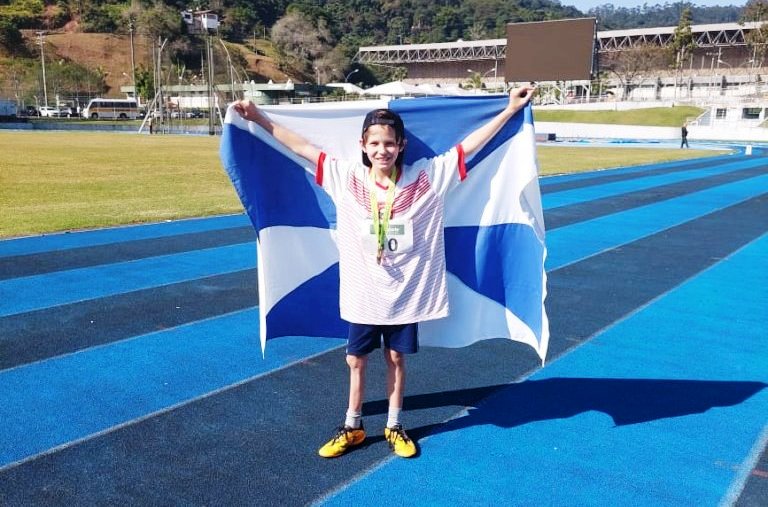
344	438
399	441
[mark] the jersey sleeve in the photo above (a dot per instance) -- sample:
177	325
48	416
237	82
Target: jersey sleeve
447	170
332	174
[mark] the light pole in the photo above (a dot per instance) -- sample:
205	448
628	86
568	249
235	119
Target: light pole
711	74
158	101
723	80
231	70
133	60
346	79
42	59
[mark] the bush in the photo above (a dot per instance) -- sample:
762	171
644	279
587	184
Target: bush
10	36
99	20
23	13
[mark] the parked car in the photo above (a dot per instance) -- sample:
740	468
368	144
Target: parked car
30	111
49	112
68	112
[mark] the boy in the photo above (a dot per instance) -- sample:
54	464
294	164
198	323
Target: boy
391	252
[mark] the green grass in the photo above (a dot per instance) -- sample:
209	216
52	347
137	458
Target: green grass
569	159
54	181
57	181
652	117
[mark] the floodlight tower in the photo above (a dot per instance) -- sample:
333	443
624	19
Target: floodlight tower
42	60
205	22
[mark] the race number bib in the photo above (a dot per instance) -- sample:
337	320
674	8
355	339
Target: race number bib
399	237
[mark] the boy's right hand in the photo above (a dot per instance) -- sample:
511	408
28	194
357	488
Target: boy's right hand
247	109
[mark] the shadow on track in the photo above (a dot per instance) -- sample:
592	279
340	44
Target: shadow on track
627	401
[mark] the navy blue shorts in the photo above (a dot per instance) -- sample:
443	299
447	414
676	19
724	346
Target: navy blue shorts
365	338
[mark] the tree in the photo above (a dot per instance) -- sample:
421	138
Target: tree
304	44
10	36
332	65
756	11
475	81
145	83
18	76
683	42
629	65
158	21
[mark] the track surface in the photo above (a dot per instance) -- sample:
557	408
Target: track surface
131	374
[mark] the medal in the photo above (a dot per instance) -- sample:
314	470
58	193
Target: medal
381	220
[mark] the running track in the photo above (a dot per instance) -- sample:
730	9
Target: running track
130	370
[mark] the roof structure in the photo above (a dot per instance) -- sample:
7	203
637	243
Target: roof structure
710	35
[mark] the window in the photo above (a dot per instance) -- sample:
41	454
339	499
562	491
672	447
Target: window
751	113
720	113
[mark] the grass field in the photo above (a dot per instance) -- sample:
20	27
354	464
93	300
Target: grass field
56	181
53	181
652	117
556	159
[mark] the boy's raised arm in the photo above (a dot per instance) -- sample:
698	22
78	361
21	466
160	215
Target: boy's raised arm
285	136
518	98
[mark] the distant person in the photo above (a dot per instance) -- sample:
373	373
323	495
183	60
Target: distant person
684	136
149	123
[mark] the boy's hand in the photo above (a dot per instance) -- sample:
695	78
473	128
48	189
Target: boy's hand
519	97
247	109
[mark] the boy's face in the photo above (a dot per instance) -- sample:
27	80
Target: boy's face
380	144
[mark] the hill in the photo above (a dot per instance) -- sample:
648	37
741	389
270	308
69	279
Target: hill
108	53
110	56
90	40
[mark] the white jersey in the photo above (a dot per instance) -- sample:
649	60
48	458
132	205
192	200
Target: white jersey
409	285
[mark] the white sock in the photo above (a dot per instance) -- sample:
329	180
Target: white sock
393	416
353	419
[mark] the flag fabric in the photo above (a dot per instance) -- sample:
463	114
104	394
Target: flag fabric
494	228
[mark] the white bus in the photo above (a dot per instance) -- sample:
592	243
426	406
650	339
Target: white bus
111	109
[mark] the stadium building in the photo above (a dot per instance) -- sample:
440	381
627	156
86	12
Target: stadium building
722	64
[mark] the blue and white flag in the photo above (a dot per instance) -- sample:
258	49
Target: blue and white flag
494	228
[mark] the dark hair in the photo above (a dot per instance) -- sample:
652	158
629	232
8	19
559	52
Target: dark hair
385	117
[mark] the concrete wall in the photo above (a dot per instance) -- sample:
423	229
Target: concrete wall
96	127
41	125
695	133
606	105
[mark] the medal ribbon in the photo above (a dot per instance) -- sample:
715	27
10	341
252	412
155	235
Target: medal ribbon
381	223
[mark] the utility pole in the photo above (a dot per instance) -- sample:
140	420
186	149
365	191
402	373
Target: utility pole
159	83
42	59
133	59
211	89
159	99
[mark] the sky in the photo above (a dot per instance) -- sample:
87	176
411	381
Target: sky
585	5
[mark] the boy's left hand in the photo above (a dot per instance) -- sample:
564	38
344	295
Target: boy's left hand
519	97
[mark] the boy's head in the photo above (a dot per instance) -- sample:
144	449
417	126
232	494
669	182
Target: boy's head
389	121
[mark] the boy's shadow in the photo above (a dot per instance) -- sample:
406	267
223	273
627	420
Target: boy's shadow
627	401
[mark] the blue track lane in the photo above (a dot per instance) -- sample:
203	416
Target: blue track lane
24	294
42	404
569	197
64	241
627	440
665	406
676	165
566	245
